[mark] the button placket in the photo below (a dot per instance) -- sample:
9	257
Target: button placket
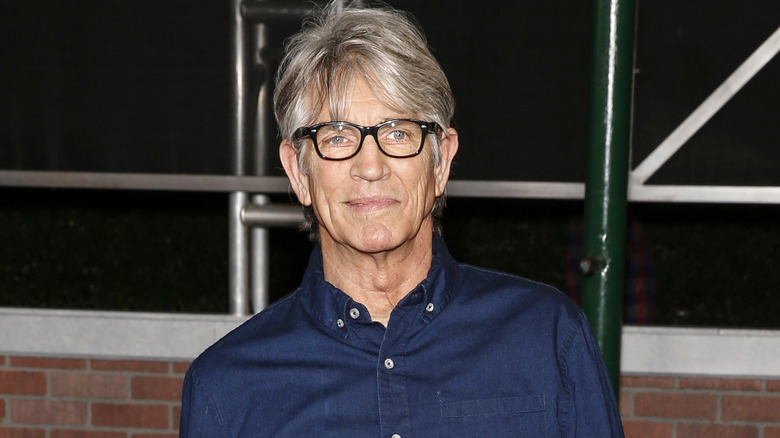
393	398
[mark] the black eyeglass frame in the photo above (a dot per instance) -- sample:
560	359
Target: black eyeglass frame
311	133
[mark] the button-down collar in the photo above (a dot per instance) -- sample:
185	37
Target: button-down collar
329	304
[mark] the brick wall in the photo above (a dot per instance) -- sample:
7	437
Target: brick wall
681	407
89	398
92	398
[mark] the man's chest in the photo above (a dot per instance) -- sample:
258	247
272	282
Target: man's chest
413	387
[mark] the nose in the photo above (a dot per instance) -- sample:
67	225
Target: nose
370	164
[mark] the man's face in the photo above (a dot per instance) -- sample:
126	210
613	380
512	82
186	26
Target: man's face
371	202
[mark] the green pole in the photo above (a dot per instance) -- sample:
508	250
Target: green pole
607	176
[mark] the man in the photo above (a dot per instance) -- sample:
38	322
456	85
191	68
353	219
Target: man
388	336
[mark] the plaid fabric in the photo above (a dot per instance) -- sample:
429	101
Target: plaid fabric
639	280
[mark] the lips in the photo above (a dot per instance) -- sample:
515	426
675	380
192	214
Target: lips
371	203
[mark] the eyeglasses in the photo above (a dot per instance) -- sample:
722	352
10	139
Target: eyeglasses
399	138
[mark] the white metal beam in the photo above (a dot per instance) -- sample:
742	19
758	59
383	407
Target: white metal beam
456	188
707	109
143	181
516	189
704	194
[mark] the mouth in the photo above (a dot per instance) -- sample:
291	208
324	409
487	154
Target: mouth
371	203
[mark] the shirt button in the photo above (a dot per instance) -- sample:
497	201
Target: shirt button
395	435
354	313
429	308
340	323
389	364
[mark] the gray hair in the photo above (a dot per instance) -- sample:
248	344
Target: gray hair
383	47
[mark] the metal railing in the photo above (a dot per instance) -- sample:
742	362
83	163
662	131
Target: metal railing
249	258
251	214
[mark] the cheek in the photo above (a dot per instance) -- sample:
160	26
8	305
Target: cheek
326	182
425	188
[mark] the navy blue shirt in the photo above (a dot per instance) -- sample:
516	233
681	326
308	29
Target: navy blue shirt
468	353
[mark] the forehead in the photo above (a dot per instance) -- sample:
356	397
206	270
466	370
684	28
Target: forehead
360	101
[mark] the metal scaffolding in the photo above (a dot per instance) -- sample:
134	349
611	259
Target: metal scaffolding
610	183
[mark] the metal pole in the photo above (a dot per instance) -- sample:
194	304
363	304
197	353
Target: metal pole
270	215
260	248
260	261
238	234
263	12
239	256
607	176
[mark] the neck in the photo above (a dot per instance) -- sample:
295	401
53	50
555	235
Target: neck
378	280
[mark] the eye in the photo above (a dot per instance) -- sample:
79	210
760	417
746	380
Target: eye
336	140
336	136
398	135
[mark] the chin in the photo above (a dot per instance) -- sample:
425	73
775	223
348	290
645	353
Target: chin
378	238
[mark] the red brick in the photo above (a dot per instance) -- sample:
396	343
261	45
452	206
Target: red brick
771	432
157	388
22	382
49	362
2	410
773	385
647	429
130	365
668	405
646	382
105	386
130	415
86	434
626	403
181	367
721	384
2	360
176	417
22	433
750	408
687	430
37	411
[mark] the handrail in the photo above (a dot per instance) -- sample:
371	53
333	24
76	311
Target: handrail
456	188
143	181
274	10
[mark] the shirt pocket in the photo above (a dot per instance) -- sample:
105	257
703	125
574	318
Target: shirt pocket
496	417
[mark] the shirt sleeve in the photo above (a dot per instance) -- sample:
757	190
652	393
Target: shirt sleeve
199	416
591	407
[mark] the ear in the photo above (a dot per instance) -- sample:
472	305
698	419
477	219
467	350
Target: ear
449	147
298	180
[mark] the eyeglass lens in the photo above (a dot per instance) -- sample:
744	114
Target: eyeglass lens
398	139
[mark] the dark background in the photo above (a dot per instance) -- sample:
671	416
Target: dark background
143	86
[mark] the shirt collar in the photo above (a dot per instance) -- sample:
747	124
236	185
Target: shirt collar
329	304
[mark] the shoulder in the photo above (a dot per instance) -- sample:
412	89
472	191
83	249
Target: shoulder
514	292
221	371
511	304
249	340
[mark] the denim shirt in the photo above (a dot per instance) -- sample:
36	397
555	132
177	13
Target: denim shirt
468	353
